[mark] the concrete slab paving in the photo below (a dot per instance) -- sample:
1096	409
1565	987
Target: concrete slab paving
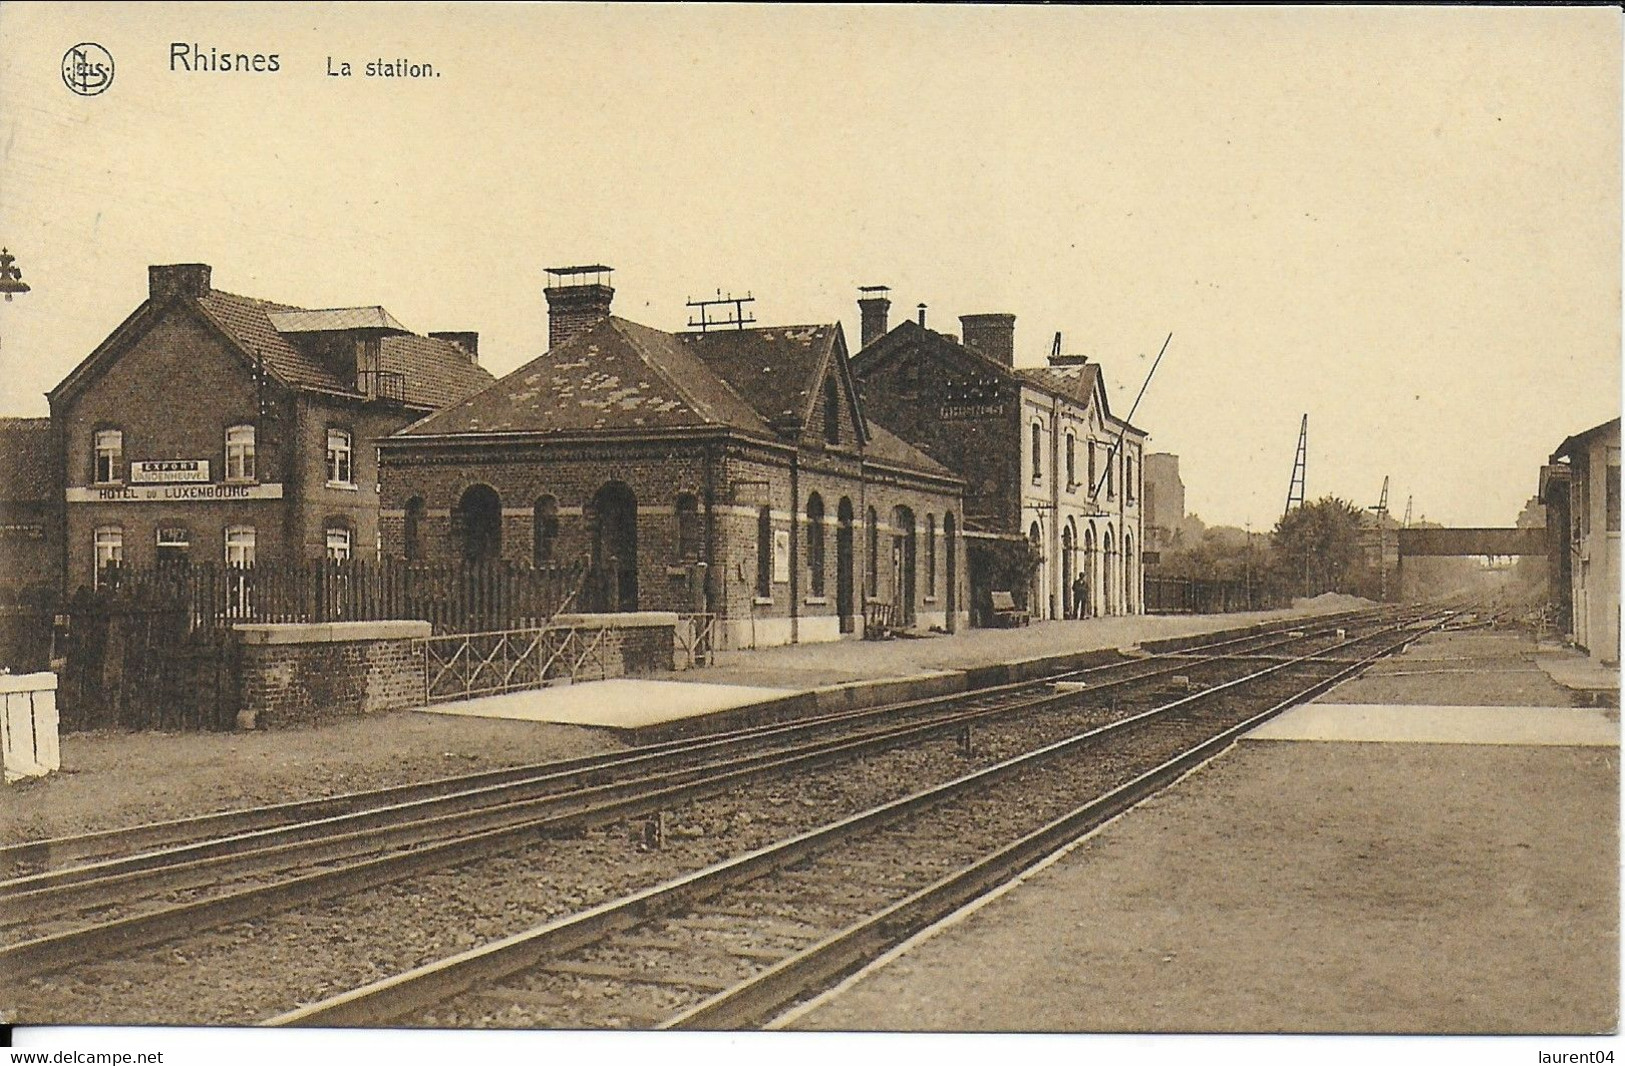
1422	724
616	703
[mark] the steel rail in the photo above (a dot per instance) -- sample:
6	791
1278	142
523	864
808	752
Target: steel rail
423	987
751	1001
585	807
166	834
391	818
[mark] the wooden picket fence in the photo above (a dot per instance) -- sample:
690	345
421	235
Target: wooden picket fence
455	598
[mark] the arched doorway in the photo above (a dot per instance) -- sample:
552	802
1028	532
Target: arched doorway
843	565
1107	572
615	547
951	544
902	563
479	524
1131	584
1069	570
1035	584
1091	573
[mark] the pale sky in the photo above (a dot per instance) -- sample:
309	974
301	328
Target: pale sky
1405	222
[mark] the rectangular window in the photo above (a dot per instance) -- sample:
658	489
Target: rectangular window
1071	460
1038	453
1613	498
240	546
339	470
109	456
931	555
239	580
1111	476
1094	471
174	545
240	453
338	544
109	551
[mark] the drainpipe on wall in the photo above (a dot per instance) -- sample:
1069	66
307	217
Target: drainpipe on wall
795	543
1058	580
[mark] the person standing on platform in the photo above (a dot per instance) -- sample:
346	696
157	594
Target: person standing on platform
1080	597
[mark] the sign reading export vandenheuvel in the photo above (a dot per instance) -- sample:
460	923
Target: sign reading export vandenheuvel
169	471
173	493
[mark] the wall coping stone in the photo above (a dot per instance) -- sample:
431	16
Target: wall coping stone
45	681
328	632
622	620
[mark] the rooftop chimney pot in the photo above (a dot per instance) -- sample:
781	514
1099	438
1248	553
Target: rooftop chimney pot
993	335
578	298
467	340
178	279
875	307
922	314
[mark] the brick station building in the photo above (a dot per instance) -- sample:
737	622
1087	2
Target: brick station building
1043	458
732	471
30	507
220	428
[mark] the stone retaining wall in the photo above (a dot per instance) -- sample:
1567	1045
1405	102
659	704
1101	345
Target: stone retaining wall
297	674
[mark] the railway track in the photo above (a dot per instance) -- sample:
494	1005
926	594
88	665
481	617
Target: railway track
731	945
189	899
589	787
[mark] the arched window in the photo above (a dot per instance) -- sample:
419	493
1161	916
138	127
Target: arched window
544	529
832	411
240	453
109	456
477	522
930	555
815	543
688	527
1038	453
874	554
764	553
416	511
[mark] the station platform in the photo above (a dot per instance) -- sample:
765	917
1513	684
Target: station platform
615	703
751	687
1418	852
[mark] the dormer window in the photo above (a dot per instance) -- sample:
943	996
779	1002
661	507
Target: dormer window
240	453
109	456
339	469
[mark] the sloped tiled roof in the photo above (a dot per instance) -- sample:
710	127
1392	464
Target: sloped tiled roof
888	447
1076	383
436	371
248	322
775	369
617	375
27	472
335	318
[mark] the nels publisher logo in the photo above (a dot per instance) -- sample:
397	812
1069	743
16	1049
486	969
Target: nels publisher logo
87	69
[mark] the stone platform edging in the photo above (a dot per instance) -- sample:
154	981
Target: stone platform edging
261	633
858	695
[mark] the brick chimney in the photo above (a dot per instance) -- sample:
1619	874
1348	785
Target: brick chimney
466	340
992	335
178	279
578	299
874	305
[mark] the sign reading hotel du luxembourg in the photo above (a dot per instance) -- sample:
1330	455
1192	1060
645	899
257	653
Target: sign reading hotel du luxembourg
179	493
